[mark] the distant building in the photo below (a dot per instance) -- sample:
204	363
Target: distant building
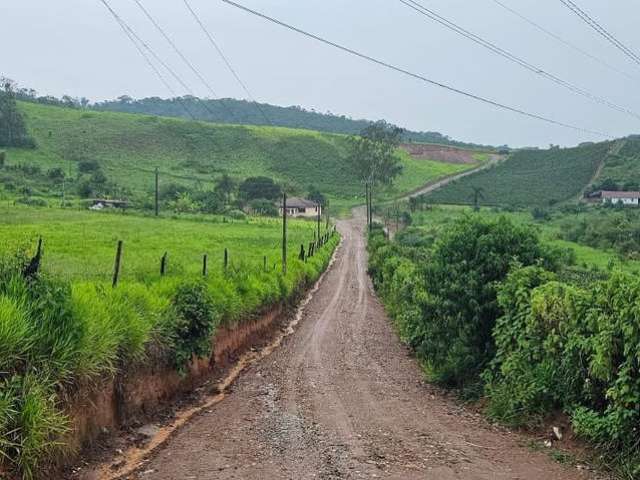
624	198
102	203
301	207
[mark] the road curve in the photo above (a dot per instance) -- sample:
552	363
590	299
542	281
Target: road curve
494	159
342	399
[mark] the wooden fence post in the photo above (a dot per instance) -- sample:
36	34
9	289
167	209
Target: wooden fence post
302	255
163	264
226	259
157	203
204	265
264	263
116	267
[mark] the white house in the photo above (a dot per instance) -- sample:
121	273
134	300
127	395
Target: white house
625	198
301	207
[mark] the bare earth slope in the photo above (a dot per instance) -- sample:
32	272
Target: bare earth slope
342	399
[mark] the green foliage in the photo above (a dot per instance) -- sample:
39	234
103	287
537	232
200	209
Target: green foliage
529	178
244	112
570	348
455	293
13	131
191	324
259	187
373	153
606	229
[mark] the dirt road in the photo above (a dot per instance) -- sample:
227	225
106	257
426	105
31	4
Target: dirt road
494	159
342	399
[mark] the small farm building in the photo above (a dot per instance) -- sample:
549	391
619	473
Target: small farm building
301	207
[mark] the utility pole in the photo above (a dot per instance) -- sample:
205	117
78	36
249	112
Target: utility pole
366	195
284	233
370	209
157	193
319	213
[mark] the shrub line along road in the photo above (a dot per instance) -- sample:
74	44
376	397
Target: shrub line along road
342	398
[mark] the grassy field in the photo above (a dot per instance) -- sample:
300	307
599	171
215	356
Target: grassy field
80	245
529	178
129	147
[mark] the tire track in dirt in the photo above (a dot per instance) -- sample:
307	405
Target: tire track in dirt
342	399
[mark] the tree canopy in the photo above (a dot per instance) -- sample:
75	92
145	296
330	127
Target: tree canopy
373	153
13	132
259	187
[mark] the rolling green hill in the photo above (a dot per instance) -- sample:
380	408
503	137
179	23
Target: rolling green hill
128	147
530	178
230	110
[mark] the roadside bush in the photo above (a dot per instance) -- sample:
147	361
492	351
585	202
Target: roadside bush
192	322
461	307
561	347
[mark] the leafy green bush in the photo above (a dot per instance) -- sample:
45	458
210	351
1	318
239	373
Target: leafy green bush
192	322
455	291
561	347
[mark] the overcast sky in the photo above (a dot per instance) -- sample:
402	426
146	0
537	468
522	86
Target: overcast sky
75	47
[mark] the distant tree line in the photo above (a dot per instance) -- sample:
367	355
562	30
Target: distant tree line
230	110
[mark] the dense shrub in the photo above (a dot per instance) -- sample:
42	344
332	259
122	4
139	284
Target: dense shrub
561	347
455	292
191	324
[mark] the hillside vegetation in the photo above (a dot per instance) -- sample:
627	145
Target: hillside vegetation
229	110
530	177
127	148
622	168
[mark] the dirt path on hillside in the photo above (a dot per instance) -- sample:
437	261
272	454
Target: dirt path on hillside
494	159
342	399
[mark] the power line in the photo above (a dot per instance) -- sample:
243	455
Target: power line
414	5
413	75
184	58
585	17
565	42
133	37
226	60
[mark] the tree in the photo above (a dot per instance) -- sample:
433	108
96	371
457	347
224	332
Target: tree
316	195
260	187
373	153
226	186
13	132
477	195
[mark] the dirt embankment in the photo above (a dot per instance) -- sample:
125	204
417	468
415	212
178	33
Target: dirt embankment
440	153
342	399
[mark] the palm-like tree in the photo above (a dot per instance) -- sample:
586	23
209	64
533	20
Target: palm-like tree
477	195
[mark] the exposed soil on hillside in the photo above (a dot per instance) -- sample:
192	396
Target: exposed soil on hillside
440	153
342	398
